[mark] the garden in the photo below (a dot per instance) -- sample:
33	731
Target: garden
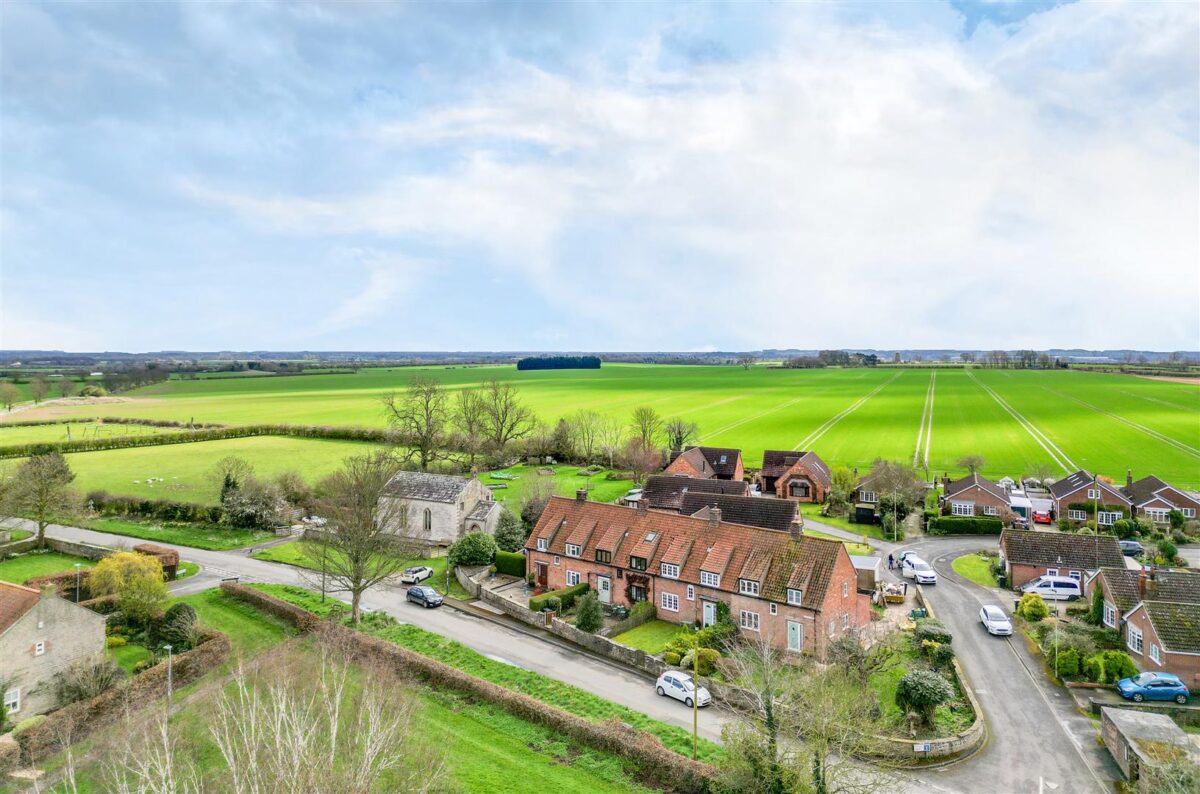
1075	646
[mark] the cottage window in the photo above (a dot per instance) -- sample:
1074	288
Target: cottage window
1052	572
1110	615
1076	575
428	519
12	701
748	587
669	571
1133	638
1093	493
670	602
1107	519
1188	512
795	597
845	589
573	550
774	609
990	510
637	563
748	620
39	648
1155	653
845	620
691	593
1077	515
603	556
637	592
572	578
543	544
868	497
710	579
830	627
557	559
962	508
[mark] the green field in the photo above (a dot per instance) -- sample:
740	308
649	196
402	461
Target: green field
27	566
1015	419
75	431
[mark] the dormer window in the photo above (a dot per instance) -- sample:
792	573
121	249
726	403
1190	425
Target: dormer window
669	571
573	550
637	563
748	587
603	556
723	458
869	497
543	544
709	579
795	597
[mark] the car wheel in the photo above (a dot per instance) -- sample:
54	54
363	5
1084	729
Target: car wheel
1181	699
660	692
1138	697
687	702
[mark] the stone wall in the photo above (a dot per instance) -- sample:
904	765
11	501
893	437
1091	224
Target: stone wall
467	576
66	633
632	622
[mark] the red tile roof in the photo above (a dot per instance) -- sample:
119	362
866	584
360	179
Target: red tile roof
15	601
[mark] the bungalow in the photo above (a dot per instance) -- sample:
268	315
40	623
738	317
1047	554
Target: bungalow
1124	588
1079	495
802	476
666	491
973	495
707	463
1028	554
797	591
1155	499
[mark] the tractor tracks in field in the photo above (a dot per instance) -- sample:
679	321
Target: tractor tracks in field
1179	445
1056	454
828	424
926	430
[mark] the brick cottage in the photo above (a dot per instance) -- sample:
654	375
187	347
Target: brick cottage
795	590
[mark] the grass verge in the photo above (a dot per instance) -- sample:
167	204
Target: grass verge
977	568
199	536
26	566
813	512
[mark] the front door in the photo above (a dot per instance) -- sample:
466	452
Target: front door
710	613
604	589
543	572
795	636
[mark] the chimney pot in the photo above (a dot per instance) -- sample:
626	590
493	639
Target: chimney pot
1128	477
581	495
714	516
48	590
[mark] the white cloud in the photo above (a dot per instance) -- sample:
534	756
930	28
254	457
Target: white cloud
390	279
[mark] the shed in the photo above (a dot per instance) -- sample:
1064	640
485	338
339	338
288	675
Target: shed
867	569
1138	739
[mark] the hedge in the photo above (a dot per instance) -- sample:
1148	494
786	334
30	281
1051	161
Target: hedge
510	563
300	618
114	420
107	504
962	525
567	595
81	719
10	755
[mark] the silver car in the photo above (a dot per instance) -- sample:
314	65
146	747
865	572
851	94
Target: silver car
416	574
995	621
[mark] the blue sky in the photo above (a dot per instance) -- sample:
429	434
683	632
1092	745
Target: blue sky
619	176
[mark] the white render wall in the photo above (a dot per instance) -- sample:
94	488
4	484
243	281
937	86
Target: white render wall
70	633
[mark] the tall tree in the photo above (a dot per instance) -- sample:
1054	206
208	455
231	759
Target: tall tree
679	432
506	417
610	435
358	548
420	415
646	425
641	459
39	387
585	434
67	387
10	395
972	463
842	483
469	422
41	490
900	489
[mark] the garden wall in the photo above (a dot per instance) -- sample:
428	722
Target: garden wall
632	622
86	550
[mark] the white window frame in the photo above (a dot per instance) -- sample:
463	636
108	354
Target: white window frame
1077	515
668	570
1110	615
557	559
1106	518
12	700
830	628
1076	575
1188	512
869	497
669	601
795	597
39	648
748	620
1093	493
691	593
1158	515
1156	653
1052	572
774	608
709	579
845	620
543	544
991	510
572	578
747	587
1133	638
962	508
845	589
573	550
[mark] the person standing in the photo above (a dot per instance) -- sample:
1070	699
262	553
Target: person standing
891	563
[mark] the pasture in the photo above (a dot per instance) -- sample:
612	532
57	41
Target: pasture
1016	419
11	435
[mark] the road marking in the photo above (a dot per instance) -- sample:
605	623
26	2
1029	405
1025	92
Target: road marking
1186	448
1059	457
812	437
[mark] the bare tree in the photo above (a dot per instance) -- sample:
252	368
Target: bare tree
971	463
469	422
754	760
610	435
680	432
646	425
900	486
585	433
67	387
506	417
39	387
747	361
10	395
359	547
420	415
641	459
1041	471
41	490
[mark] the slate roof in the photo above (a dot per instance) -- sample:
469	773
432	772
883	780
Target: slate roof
975	480
425	487
1060	550
754	511
1120	586
1177	625
482	510
1179	586
15	601
706	459
1081	479
1144	490
776	463
806	563
666	491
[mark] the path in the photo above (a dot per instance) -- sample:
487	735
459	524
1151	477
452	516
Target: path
926	430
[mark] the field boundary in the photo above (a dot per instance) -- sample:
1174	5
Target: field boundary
829	423
1059	457
926	428
1182	447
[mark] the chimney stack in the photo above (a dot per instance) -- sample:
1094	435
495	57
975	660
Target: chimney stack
714	516
581	495
643	505
1142	584
796	530
1128	478
48	590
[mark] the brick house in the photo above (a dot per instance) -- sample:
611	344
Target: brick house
707	463
802	476
1028	554
1155	499
41	635
752	511
798	591
973	495
1076	496
666	491
864	500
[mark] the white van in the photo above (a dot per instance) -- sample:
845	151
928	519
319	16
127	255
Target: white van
913	567
1054	588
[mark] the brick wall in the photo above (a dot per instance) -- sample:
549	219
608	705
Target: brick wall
979	497
1186	666
681	466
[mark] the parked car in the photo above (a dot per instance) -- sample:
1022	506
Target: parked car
425	596
1154	686
1041	517
1131	548
913	567
1021	522
995	621
679	686
416	574
1054	588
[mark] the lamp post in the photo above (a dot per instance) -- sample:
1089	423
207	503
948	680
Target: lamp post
170	682
77	582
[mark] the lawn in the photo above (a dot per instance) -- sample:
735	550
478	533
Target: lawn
18	534
249	630
651	637
946	721
26	566
812	513
201	536
186	569
976	568
566	481
127	656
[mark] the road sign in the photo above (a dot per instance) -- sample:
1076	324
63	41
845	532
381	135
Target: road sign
921	748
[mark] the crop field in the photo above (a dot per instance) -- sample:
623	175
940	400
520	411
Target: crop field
75	431
1015	419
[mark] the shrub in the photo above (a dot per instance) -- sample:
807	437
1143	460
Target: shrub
920	692
510	563
1167	549
475	548
1064	525
939	654
566	597
178	627
932	630
643	607
1124	528
554	604
115	641
510	534
1033	608
1096	613
589	618
1108	667
85	679
137	582
671	658
28	723
1067	663
1177	520
706	662
963	525
1179	537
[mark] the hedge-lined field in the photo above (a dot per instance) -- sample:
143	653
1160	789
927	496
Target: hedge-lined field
1100	421
14	434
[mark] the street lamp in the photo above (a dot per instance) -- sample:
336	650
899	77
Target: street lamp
170	682
77	582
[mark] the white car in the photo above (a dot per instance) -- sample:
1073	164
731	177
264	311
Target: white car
679	686
915	568
416	574
995	621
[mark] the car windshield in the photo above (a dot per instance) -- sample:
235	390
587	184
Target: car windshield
1144	678
411	570
994	613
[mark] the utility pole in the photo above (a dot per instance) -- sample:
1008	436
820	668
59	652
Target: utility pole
170	682
77	582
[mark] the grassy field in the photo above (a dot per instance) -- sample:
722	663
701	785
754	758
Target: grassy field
201	536
651	637
27	566
74	431
976	568
566	481
1015	419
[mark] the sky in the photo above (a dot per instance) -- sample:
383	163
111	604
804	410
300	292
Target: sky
599	176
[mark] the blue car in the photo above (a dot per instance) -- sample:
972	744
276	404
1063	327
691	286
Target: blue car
1154	686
